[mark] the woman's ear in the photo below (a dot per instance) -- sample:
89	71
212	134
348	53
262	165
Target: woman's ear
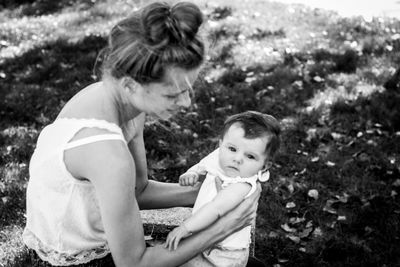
130	85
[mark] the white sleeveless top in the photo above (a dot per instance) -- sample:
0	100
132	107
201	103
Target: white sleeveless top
64	225
242	238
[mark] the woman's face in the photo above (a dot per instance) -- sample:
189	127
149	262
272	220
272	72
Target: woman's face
165	98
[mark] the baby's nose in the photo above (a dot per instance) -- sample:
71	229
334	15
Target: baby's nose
238	159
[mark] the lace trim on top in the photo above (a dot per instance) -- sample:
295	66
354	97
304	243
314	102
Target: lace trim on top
57	258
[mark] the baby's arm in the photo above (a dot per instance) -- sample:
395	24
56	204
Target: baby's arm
195	174
226	200
198	172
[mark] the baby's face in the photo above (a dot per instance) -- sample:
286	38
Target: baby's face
240	156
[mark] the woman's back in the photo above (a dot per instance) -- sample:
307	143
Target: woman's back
63	216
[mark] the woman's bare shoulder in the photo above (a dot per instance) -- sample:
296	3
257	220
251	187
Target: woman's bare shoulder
92	160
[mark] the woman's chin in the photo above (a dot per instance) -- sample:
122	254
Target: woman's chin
161	116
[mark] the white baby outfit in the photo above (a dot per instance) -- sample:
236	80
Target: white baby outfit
233	251
64	225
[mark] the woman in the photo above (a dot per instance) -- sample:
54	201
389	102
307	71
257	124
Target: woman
88	175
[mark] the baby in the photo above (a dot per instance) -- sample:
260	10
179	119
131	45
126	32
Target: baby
247	145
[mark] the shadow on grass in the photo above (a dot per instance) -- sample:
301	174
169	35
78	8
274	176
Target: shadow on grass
38	83
44	7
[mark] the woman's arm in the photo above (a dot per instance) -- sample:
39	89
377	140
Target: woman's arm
110	167
153	194
157	195
138	152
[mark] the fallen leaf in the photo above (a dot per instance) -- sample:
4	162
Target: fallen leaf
5	199
330	163
341	218
315	159
329	210
318	79
290	205
311	134
287	228
336	136
290	188
306	232
317	232
313	193
294	238
296	220
332	224
342	198
273	234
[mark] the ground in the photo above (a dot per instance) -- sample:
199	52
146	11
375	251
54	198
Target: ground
333	195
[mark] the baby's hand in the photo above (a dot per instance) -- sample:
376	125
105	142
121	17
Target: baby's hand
188	179
175	236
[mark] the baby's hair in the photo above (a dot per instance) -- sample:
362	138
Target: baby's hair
256	124
153	39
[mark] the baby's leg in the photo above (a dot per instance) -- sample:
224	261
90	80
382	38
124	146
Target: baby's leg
218	257
227	258
199	261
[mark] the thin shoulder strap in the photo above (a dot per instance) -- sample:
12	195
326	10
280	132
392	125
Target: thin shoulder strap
92	139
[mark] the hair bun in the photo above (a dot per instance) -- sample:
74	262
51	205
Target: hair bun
166	25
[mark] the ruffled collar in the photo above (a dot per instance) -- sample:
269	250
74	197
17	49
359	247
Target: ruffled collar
260	176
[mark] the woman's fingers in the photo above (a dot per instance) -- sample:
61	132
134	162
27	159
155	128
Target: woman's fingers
247	209
176	242
166	245
218	183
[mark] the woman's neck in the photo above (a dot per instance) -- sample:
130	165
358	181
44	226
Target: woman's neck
122	108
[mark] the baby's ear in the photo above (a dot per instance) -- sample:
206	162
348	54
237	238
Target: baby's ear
267	165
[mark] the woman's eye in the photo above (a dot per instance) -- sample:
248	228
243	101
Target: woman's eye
232	149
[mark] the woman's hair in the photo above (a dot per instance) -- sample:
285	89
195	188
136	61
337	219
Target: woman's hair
154	38
256	124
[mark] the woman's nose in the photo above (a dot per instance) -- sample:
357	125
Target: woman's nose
184	100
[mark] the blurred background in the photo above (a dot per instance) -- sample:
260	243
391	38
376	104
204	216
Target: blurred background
329	70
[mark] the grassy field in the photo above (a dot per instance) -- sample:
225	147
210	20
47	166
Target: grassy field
333	197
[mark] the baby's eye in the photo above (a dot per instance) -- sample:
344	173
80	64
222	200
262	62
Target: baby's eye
231	148
170	97
251	157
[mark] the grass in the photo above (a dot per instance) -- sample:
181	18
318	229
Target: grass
330	80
